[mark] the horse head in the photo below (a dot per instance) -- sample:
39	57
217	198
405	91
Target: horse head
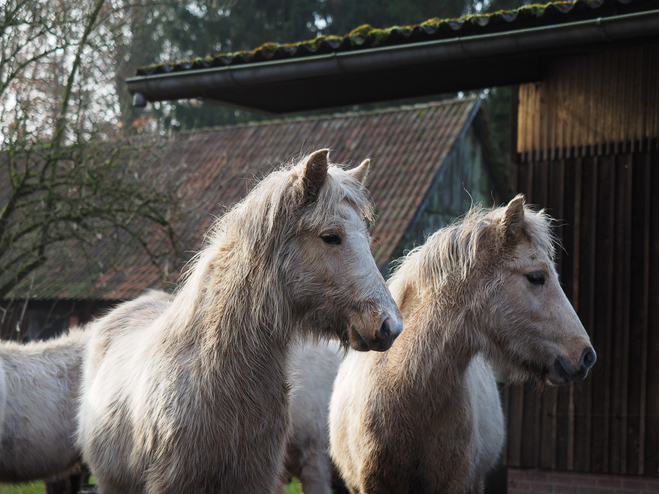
329	253
529	320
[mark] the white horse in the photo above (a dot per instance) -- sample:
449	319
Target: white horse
312	369
425	417
39	384
39	392
195	399
39	437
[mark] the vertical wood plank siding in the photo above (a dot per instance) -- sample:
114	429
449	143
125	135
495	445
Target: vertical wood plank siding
588	151
590	101
608	423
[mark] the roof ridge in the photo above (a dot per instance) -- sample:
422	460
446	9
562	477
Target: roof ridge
335	115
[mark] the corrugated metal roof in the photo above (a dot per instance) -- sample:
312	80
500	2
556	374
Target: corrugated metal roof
365	37
217	168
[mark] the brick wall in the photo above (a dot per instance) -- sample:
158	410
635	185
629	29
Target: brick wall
525	481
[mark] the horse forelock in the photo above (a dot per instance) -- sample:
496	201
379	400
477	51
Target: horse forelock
339	188
276	207
453	251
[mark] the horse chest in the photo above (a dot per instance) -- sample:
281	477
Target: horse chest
442	443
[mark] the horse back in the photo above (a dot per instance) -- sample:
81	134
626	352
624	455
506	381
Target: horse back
124	320
487	416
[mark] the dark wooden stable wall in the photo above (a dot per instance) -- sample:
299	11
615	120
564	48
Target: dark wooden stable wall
42	319
609	269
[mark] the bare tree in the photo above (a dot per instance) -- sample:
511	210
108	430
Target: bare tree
68	174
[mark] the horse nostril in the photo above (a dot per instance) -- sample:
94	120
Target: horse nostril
384	332
389	328
588	358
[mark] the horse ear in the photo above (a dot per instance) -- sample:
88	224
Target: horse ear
314	174
513	219
361	172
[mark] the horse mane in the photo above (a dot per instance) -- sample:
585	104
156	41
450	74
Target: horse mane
453	251
236	245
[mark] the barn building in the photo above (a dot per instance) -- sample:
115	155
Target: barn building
587	144
429	162
586	135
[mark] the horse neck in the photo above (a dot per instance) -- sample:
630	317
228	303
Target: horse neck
440	339
236	316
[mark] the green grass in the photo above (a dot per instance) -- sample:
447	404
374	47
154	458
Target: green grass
293	488
33	488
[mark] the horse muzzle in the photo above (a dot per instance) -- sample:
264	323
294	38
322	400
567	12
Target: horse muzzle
388	330
564	372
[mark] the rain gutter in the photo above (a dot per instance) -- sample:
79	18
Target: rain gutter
208	82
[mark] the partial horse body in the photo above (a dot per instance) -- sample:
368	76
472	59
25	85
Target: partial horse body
425	417
39	393
195	398
39	435
39	383
312	369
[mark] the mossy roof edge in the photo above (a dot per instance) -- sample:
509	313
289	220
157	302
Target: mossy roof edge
365	36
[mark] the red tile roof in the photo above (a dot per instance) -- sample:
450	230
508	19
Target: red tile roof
218	167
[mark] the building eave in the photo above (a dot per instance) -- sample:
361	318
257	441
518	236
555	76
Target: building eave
392	72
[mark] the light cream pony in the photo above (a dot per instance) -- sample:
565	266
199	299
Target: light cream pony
312	369
426	417
39	435
195	399
39	384
39	391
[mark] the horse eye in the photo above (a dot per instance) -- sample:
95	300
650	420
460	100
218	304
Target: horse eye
536	278
331	238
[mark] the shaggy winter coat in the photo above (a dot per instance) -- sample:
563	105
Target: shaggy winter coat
195	399
425	417
39	385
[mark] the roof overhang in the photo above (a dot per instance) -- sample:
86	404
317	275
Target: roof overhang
402	71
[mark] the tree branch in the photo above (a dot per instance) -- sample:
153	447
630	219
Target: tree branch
20	275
